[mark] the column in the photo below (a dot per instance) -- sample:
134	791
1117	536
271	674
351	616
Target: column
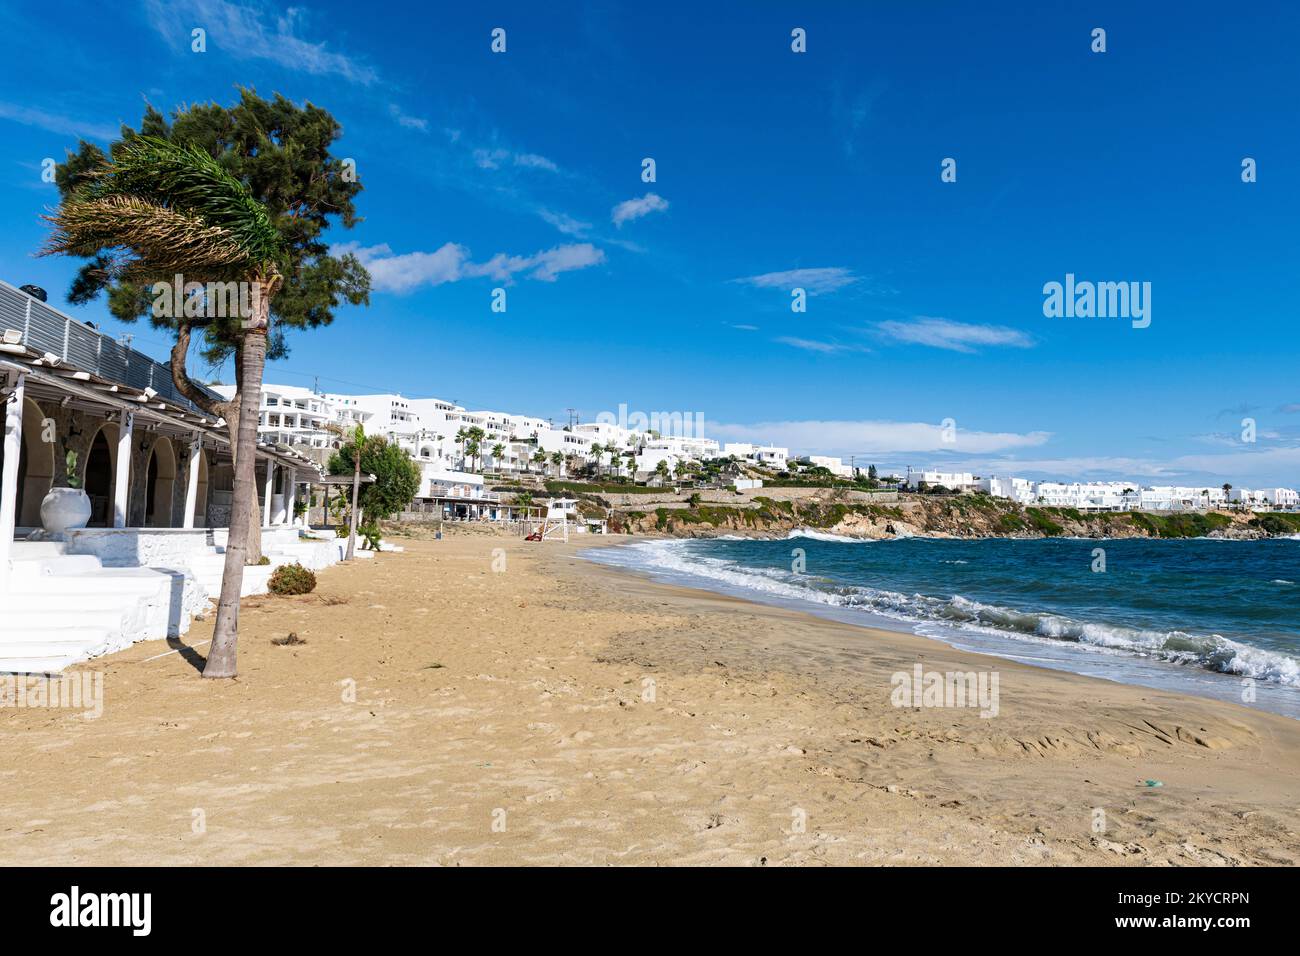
192	480
123	486
13	417
270	484
291	496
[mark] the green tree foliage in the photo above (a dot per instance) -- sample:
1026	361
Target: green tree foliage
281	152
397	478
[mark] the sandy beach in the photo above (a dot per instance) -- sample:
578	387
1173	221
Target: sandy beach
480	700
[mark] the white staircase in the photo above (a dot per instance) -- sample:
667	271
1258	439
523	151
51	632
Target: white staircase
63	608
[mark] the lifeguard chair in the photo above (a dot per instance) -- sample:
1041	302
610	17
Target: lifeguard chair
555	527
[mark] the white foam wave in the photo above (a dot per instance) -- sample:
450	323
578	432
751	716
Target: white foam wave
1211	651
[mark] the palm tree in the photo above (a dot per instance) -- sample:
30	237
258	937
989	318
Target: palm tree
597	449
539	458
161	209
661	469
557	460
1227	493
498	452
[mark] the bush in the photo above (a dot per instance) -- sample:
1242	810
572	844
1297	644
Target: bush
291	579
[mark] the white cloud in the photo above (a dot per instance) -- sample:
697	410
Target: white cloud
813	345
1267	467
883	437
565	223
813	281
632	209
404	119
495	158
451	263
251	31
534	161
54	123
953	336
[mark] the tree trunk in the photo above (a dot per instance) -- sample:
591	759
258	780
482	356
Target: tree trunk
252	359
356	487
227	410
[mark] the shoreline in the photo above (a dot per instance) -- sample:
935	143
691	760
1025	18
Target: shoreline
1120	666
605	719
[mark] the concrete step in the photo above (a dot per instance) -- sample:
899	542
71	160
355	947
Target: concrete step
127	582
32	550
54	566
56	614
47	650
48	664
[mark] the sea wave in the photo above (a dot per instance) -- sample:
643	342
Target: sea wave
824	536
1210	651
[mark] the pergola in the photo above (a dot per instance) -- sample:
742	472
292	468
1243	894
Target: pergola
28	374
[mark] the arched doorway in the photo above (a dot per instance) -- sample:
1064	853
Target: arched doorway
160	485
201	497
35	466
97	479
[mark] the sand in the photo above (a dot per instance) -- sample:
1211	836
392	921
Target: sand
557	712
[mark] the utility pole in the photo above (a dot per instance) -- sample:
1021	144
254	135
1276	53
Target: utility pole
572	416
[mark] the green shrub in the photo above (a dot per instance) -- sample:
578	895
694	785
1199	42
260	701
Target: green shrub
1277	523
291	579
1039	521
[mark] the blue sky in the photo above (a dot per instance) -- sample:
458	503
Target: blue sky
522	171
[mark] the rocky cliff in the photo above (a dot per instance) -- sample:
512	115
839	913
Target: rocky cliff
960	516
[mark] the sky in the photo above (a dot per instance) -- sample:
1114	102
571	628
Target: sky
924	341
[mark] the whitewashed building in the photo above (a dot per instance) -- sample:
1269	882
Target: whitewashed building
835	466
952	480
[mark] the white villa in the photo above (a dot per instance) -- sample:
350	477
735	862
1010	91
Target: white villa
769	455
835	466
952	480
136	549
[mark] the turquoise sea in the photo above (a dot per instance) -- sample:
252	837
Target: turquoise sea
1203	616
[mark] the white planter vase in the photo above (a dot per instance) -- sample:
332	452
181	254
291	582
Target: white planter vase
65	508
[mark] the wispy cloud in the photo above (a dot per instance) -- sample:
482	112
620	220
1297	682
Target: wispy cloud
850	113
252	31
565	223
56	123
1250	467
451	262
405	119
813	281
953	336
496	158
875	437
632	209
815	345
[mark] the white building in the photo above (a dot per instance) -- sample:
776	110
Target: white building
1179	498
835	466
1275	498
773	456
1016	489
1085	495
952	480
